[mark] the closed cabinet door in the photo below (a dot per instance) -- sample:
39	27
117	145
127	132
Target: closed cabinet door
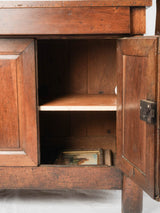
18	119
138	111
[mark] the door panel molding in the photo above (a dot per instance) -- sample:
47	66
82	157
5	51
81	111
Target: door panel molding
18	144
136	140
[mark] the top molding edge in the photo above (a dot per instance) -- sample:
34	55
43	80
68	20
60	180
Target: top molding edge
74	3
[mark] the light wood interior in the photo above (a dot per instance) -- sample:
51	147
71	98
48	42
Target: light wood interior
77	80
81	103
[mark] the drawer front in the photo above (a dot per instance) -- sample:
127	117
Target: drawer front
51	21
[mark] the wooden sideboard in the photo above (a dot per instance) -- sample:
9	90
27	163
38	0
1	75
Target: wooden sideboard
60	62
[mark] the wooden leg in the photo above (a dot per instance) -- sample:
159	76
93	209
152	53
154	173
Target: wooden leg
132	197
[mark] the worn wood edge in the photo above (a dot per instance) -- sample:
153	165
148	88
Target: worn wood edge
157	177
60	177
37	99
72	3
64	37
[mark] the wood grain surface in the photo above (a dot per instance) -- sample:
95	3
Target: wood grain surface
81	103
50	21
137	79
138	20
132	197
53	177
75	3
9	123
76	67
18	117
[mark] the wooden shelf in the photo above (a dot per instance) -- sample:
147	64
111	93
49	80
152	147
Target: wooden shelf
82	103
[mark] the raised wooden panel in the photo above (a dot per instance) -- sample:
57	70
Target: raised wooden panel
18	118
134	72
51	21
137	80
9	123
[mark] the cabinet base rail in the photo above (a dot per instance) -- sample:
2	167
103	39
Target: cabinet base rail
50	177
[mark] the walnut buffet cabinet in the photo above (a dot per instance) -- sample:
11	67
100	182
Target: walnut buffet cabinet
60	62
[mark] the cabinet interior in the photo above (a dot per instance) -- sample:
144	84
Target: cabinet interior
77	101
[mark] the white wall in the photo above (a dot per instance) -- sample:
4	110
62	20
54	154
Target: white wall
151	19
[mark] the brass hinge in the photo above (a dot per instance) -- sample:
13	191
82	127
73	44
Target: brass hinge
148	111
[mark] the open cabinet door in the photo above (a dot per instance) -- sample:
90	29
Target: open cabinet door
18	116
138	140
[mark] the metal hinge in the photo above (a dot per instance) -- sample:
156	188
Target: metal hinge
148	111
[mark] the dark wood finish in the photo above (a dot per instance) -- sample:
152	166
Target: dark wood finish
77	67
101	66
94	124
53	177
18	127
73	62
75	130
86	20
50	148
138	20
75	3
132	197
136	140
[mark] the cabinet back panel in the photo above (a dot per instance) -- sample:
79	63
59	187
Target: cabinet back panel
76	67
75	130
